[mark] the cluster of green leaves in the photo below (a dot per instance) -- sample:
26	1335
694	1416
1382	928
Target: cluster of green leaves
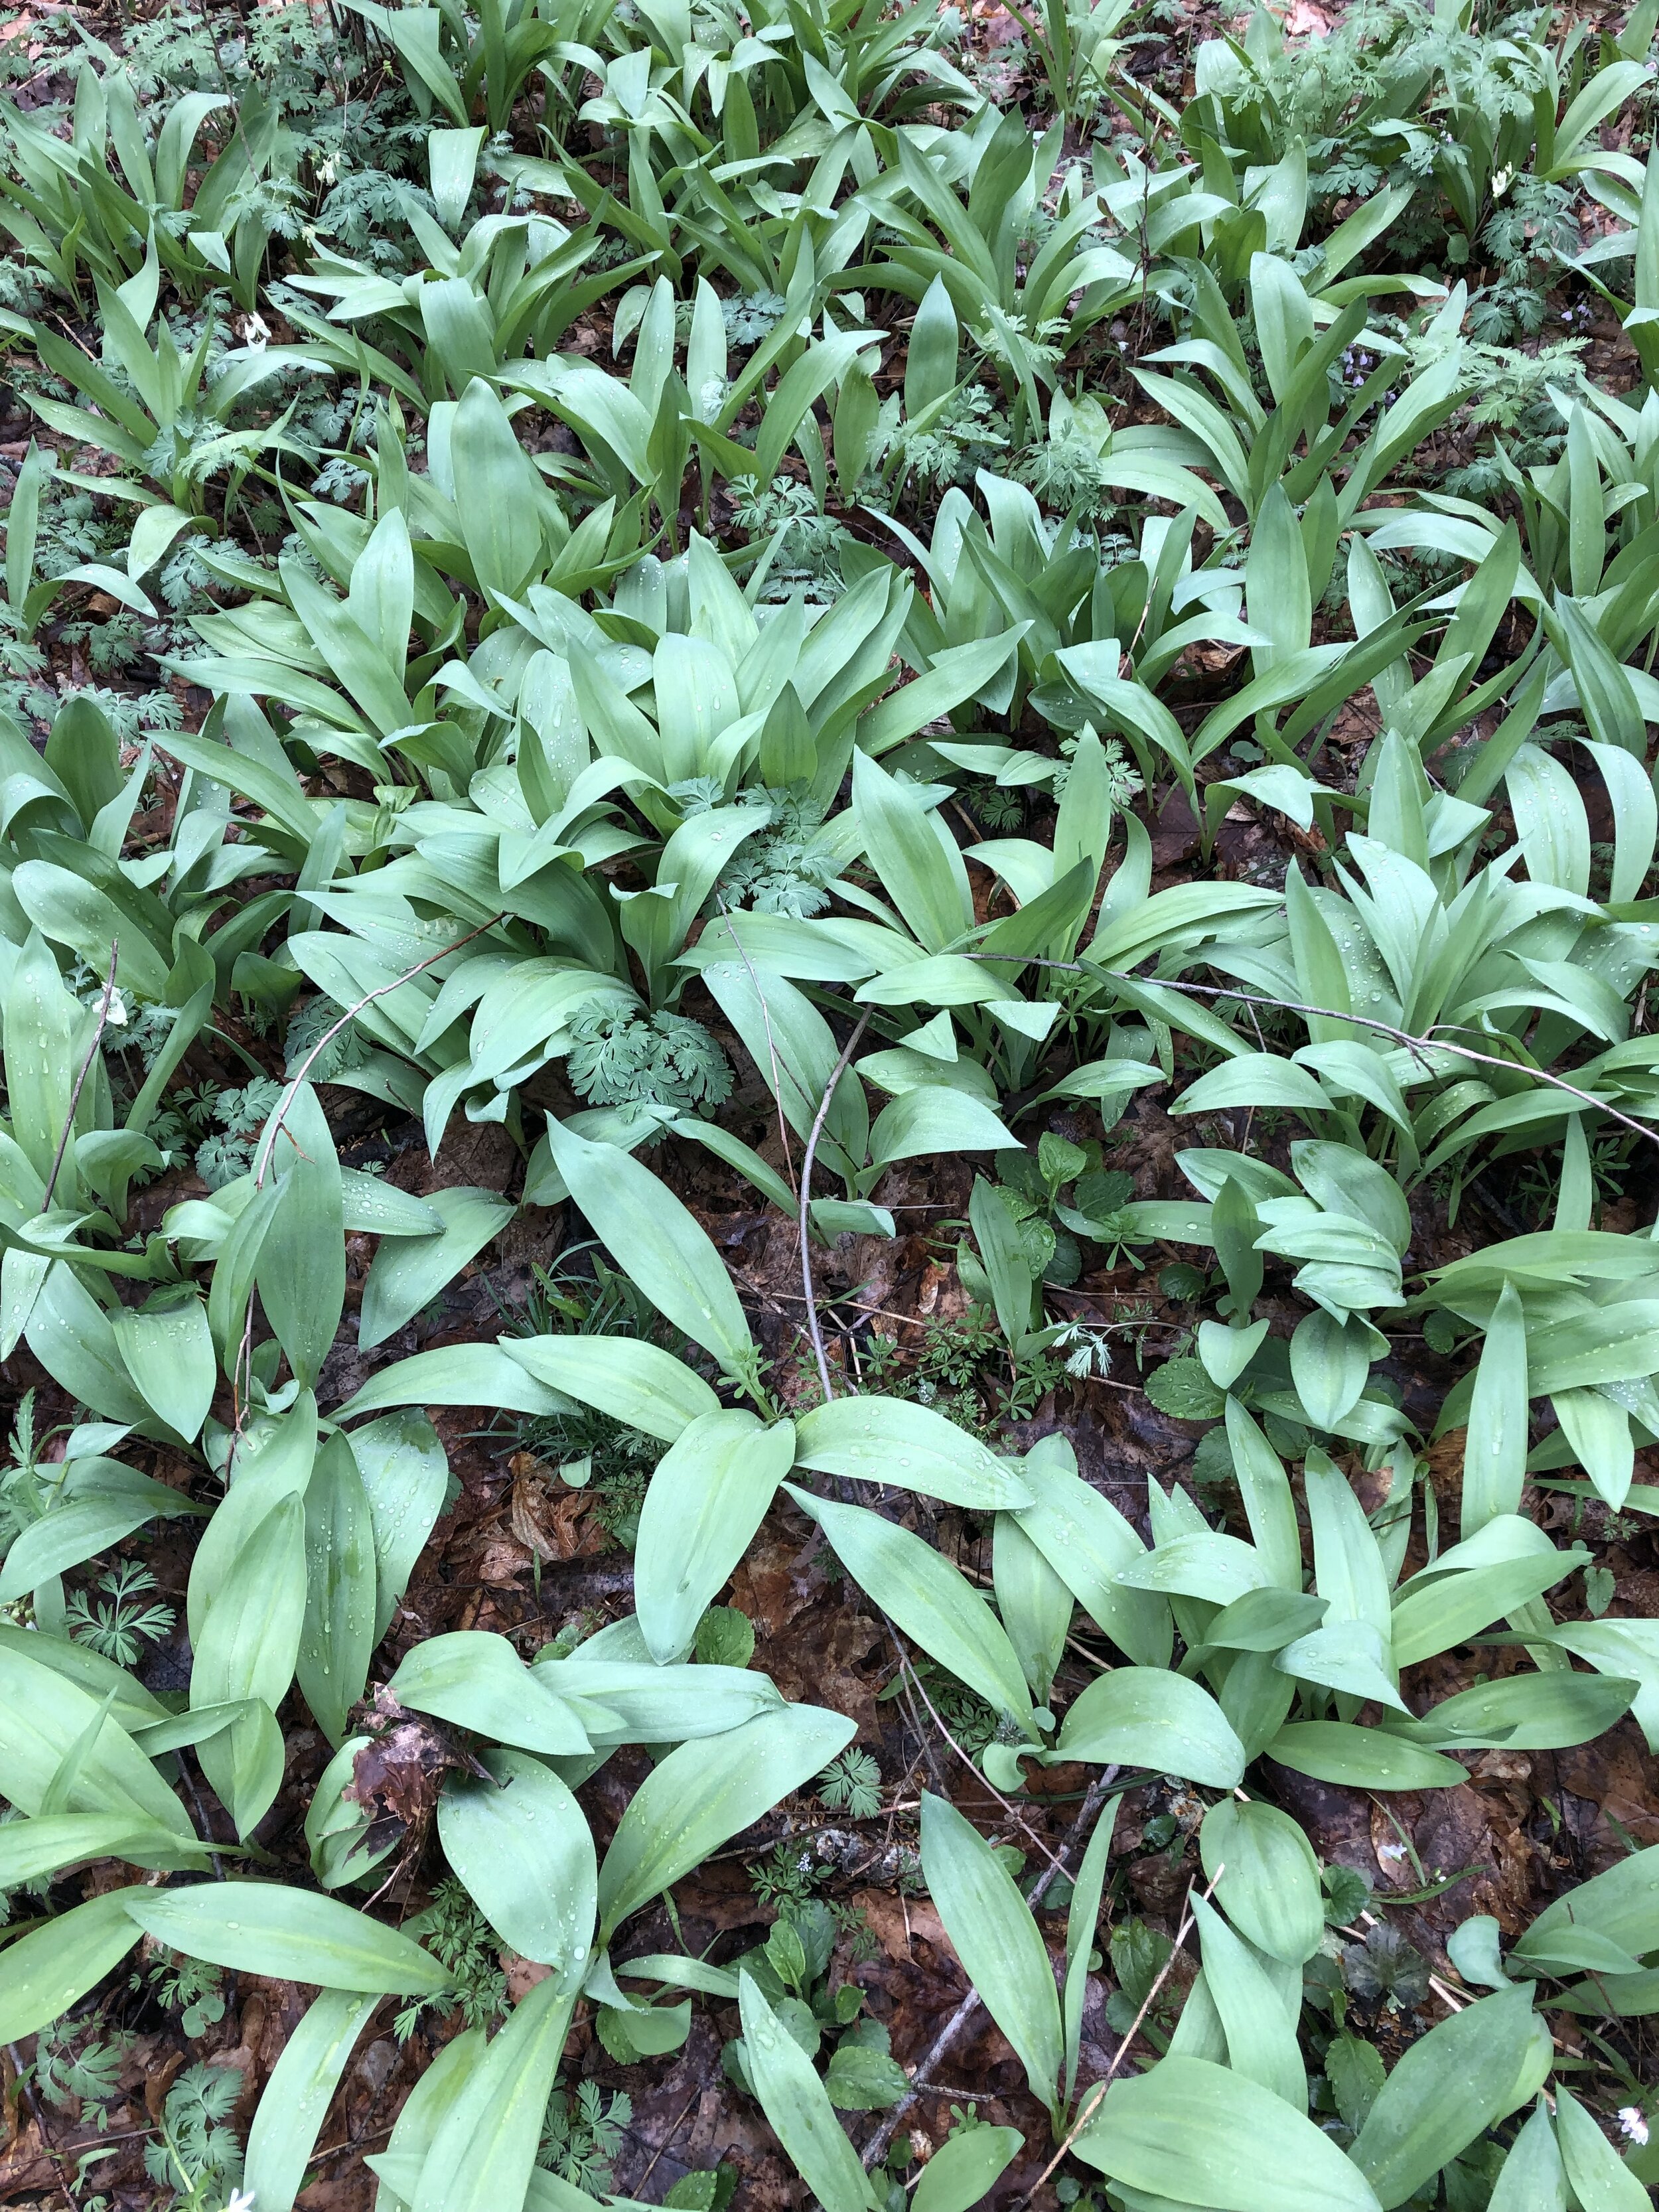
944	461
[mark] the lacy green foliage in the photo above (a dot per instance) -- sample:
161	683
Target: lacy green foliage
242	1113
851	1784
582	2135
663	1060
457	1936
189	1986
196	2152
68	2069
788	867
117	1616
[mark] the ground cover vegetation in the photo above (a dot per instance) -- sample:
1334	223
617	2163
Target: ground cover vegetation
828	1296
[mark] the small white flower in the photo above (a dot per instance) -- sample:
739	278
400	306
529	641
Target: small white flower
1632	2123
115	1011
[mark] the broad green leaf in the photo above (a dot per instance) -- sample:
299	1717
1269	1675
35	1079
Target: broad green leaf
1600	1433
478	1681
930	360
1268	1882
1432	1617
1192	2131
300	1272
1349	1572
1034	1604
636	1383
498	492
657	1243
1082	1925
933	1118
167	1349
798	2106
338	1637
483	2151
1255	1079
919	862
1264	1487
69	1334
408	1271
246	1655
1532	2178
1141	1716
458	1374
291	1935
46	1972
1329	1363
72	911
655	1705
932	1601
405	1475
705	1793
879	1439
250	1640
1525	1713
1450	2087
44	1024
1087	1542
94	1516
433	2097
1495	1443
1600	2179
706	1500
295	2099
1259	2031
997	1940
42	1846
1361	1758
966	2167
522	1846
1621	1904
272	1460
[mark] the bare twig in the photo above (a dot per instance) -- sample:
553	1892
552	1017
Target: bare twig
667	2139
383	990
1092	2104
811	1154
1419	1046
105	1003
983	1779
921	2073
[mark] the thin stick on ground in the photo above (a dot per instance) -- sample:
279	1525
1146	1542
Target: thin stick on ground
668	2139
1012	1811
26	2087
803	1223
382	990
105	1002
1419	1046
1092	2104
876	2149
